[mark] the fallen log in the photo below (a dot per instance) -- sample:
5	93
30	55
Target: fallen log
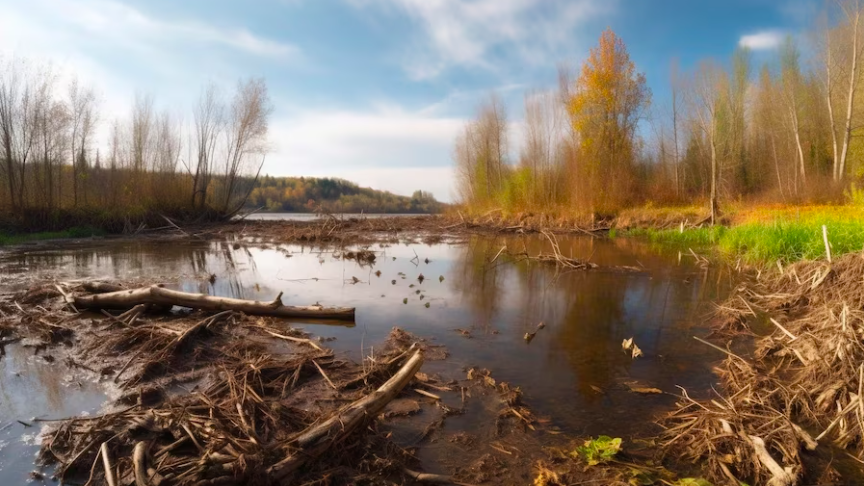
317	439
158	295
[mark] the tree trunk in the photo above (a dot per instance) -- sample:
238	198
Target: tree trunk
797	130
777	166
158	295
715	210
835	168
853	78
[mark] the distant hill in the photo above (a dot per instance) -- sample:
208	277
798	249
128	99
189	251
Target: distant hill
307	194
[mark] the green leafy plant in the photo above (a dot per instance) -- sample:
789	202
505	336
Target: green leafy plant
599	450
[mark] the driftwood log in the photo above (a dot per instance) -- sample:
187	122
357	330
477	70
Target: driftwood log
158	295
318	439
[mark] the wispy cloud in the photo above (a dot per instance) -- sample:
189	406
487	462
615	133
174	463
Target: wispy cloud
473	33
763	40
112	19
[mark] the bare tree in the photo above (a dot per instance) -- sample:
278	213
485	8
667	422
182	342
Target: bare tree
707	105
52	120
209	121
247	135
675	87
791	81
141	149
849	39
545	130
82	108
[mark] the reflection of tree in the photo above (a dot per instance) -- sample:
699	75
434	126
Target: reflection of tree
143	259
588	314
588	333
478	280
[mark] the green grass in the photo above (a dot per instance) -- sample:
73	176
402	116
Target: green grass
787	239
76	232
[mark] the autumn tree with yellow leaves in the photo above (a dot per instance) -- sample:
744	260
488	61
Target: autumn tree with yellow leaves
607	103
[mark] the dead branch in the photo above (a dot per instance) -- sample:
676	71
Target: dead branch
158	295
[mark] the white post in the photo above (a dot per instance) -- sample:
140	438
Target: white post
827	245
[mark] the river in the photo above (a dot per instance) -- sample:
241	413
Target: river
574	373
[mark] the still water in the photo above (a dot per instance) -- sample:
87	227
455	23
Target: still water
574	373
314	216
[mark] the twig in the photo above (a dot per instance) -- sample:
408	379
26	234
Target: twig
785	331
427	394
718	348
294	339
321	370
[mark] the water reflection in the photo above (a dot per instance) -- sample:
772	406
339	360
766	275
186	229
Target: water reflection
574	371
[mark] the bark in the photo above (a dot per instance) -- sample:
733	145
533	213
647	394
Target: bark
158	295
715	210
850	100
318	439
796	128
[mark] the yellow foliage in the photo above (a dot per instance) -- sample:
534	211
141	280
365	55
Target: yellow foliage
609	98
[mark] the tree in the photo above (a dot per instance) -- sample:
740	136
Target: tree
709	110
842	49
246	136
480	154
675	85
545	130
607	104
791	82
82	110
209	121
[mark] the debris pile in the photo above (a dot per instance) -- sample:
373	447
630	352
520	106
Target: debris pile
800	391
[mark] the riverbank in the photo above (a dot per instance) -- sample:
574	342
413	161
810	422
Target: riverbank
766	235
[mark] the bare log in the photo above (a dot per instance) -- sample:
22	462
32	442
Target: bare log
158	295
317	439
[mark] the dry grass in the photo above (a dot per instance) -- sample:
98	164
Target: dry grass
801	388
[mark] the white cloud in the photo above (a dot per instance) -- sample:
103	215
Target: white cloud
119	49
764	40
469	32
114	21
387	148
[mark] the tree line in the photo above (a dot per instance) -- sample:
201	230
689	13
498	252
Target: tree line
786	131
310	194
152	162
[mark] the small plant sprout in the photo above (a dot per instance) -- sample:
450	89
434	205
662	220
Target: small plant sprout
598	451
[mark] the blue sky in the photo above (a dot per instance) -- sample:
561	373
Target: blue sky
374	90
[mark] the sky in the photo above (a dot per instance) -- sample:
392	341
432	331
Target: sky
374	91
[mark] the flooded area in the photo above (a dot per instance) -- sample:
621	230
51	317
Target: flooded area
314	216
477	302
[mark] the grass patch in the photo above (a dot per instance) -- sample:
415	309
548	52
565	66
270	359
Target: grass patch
76	232
776	234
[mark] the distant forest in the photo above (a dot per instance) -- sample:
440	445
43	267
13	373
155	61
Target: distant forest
309	194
